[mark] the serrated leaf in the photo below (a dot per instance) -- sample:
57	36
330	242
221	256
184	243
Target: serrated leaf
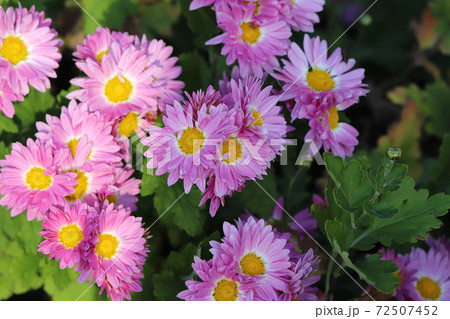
417	214
352	185
380	209
179	262
181	209
341	239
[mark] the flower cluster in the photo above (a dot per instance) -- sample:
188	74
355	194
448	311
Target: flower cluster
257	31
129	79
218	140
253	262
317	87
73	177
424	274
28	54
73	180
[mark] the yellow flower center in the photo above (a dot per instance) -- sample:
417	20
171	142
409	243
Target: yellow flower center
14	50
191	141
428	288
106	246
319	80
73	144
129	124
232	147
250	32
70	235
258	119
225	290
80	188
252	265
36	179
100	55
333	118
112	199
118	91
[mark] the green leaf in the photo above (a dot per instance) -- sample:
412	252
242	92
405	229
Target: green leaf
167	286
417	215
196	71
7	125
159	17
107	13
352	185
200	21
181	209
378	273
150	184
34	103
179	262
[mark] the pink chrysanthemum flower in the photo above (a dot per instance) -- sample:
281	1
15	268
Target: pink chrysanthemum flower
28	49
161	67
218	283
90	177
299	284
441	245
432	279
314	80
75	123
116	86
185	148
239	160
122	192
7	96
196	100
196	4
262	115
119	250
326	131
67	233
301	14
255	44
407	270
98	44
258	253
30	180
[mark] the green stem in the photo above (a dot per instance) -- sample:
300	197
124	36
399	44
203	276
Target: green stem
329	271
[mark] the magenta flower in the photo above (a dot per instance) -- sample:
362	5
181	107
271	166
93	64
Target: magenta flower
75	123
7	96
301	14
30	180
98	44
407	270
67	232
431	281
254	44
161	67
218	283
256	251
118	85
326	131
316	81
116	260
28	49
185	148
